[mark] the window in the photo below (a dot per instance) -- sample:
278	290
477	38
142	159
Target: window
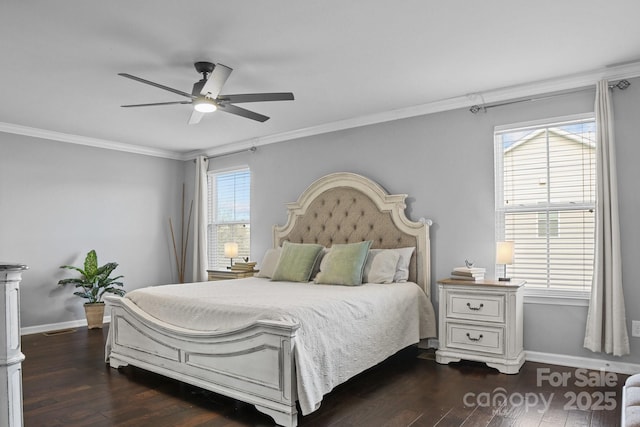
545	201
229	198
547	224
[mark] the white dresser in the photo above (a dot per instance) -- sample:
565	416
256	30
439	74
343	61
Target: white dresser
11	356
481	321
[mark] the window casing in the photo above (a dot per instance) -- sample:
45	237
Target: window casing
229	197
545	202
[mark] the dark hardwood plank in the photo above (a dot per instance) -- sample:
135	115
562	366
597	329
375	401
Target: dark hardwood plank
66	383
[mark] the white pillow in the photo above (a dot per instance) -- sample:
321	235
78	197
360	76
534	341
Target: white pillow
322	265
269	263
380	266
318	265
402	269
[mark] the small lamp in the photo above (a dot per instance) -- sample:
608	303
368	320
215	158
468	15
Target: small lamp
231	251
504	256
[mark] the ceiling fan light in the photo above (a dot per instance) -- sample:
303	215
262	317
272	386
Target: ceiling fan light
204	106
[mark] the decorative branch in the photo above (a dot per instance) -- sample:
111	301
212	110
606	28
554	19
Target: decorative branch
186	240
181	258
175	252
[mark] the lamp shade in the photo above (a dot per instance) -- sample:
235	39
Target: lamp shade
231	250
504	253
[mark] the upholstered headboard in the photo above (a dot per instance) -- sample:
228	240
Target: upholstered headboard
345	208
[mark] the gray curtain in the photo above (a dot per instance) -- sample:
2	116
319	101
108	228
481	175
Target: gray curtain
606	329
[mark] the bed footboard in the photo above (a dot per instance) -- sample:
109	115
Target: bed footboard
254	364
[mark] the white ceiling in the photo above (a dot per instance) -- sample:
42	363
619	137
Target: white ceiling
345	61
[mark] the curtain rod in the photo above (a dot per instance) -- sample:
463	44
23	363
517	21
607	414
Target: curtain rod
622	85
252	149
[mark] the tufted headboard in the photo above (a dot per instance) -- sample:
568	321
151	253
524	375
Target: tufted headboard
345	208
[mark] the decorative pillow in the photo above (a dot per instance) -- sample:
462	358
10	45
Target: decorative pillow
269	263
380	266
402	269
318	264
296	262
344	264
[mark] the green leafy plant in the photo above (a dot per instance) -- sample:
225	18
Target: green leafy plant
94	281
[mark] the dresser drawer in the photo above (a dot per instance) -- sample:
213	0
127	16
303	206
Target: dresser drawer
475	338
474	306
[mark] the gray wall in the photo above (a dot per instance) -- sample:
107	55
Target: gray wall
60	200
444	162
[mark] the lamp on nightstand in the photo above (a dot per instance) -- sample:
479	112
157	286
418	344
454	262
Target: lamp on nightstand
504	256
231	251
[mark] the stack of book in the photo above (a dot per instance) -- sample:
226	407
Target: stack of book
473	274
243	266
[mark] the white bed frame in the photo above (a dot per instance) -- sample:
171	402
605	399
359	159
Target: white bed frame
254	364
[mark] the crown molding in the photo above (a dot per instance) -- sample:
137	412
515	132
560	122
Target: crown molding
387	116
559	85
549	86
91	142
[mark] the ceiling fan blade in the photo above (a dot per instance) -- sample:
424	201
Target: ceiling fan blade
256	97
157	103
195	117
228	108
138	79
216	80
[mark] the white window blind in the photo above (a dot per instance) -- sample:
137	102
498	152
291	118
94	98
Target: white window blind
229	215
545	201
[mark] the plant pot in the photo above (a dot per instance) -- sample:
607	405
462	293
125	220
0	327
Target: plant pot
95	315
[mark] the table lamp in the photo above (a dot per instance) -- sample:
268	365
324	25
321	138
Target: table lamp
504	256
231	251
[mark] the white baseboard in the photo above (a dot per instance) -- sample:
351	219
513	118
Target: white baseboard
57	326
572	361
582	362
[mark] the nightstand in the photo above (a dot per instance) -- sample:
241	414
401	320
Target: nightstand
228	274
481	321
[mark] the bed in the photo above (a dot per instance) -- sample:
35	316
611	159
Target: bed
278	343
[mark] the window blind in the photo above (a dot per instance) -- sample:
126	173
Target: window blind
545	201
229	215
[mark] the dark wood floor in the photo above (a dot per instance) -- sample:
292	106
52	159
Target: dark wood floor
66	383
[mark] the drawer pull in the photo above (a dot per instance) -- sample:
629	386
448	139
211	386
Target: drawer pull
478	308
474	339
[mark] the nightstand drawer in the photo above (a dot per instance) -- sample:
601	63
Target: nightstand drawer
475	338
487	308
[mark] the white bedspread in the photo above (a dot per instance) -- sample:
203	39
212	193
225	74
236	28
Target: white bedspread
344	329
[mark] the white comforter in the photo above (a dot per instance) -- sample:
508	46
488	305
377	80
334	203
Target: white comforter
343	329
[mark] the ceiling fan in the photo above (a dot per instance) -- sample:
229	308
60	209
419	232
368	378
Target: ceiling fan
205	95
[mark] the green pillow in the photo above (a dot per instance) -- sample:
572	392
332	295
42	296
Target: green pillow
296	262
344	264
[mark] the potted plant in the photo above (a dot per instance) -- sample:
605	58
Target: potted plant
92	284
